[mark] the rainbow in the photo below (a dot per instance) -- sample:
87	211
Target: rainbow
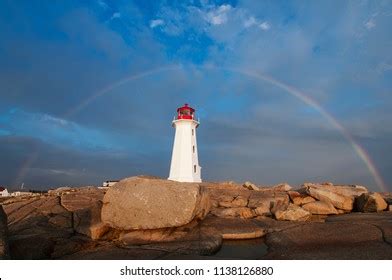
121	82
360	151
312	103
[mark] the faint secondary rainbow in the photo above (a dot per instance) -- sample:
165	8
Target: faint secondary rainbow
26	166
253	74
121	82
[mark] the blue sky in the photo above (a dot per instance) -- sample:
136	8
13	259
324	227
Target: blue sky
55	56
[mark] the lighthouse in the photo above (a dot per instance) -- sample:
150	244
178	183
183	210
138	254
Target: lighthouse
185	163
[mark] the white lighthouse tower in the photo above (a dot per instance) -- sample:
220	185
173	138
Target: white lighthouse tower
185	163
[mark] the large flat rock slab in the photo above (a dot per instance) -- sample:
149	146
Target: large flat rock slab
37	224
232	228
351	236
382	220
36	216
81	198
4	252
108	251
357	217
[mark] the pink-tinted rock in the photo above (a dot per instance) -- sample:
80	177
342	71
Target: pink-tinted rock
283	187
300	198
250	186
320	208
238	201
371	202
387	196
137	203
86	205
262	210
258	199
291	213
325	193
242	212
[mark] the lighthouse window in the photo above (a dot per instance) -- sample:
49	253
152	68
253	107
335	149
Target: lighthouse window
186	112
194	168
193	132
193	148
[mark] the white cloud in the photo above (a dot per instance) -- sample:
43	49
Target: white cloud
115	15
383	67
103	4
63	172
265	25
156	22
250	22
218	15
370	24
220	22
54	120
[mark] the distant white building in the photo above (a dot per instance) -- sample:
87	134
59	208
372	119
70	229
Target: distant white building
109	183
18	193
4	192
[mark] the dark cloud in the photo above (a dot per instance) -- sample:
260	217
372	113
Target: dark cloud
58	166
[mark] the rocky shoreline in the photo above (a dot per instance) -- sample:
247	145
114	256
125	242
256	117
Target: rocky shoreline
149	218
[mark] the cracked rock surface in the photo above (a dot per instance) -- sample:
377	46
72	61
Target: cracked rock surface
66	224
4	252
351	236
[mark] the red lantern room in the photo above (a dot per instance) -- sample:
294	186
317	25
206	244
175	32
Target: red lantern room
185	112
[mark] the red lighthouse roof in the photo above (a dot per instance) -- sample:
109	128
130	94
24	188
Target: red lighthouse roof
186	112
